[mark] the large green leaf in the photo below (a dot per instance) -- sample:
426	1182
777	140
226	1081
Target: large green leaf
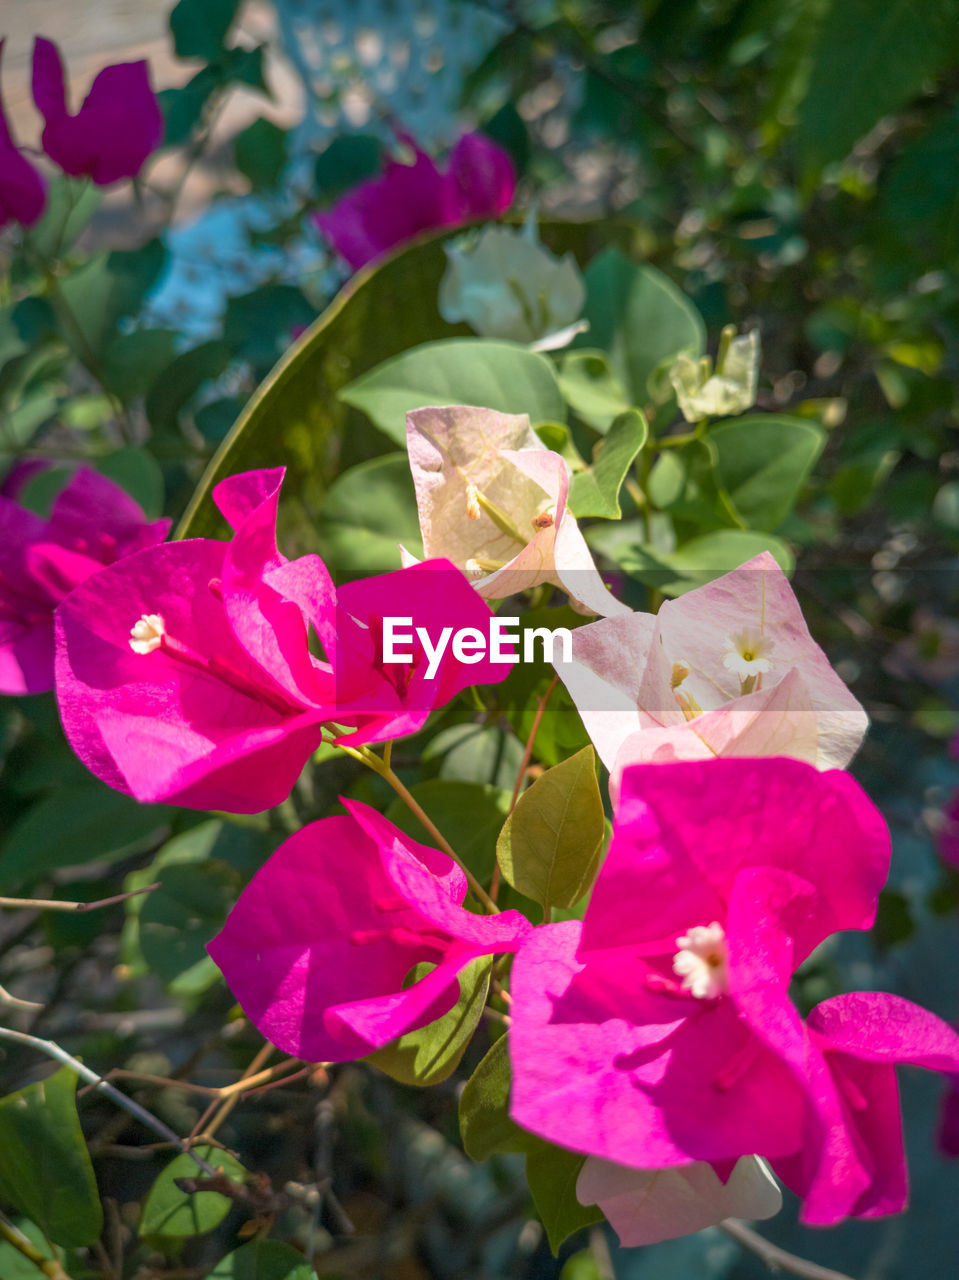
763	463
431	1054
869	60
368	512
295	417
552	1174
637	314
496	375
550	844
78	824
45	1169
171	1211
95	296
263	1260
595	491
475	753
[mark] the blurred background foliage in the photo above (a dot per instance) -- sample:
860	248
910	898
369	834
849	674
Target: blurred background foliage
789	164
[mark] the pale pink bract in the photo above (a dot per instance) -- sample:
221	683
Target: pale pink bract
728	669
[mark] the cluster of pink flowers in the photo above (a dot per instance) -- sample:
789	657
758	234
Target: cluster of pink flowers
88	144
407	199
656	1036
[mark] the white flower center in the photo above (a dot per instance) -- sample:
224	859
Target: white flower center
146	635
701	961
747	654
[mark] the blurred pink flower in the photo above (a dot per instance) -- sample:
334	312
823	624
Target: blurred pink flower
408	199
92	523
184	673
728	669
23	192
118	126
321	942
659	1031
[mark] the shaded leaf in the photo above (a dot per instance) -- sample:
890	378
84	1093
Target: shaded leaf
868	62
485	1125
199	27
261	153
468	814
263	1260
433	1053
763	463
178	920
552	1173
77	824
45	1169
642	320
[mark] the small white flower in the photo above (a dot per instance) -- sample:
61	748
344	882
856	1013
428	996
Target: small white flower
747	654
701	961
147	634
701	393
505	284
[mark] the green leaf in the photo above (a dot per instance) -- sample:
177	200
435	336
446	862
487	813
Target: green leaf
133	361
431	1054
261	153
259	325
641	319
98	294
764	462
71	203
45	1169
476	753
550	845
591	389
350	158
552	1173
497	375
138	473
170	1212
468	814
182	379
77	824
869	61
200	27
702	559
263	1260
485	1125
13	1265
595	491
367	513
179	919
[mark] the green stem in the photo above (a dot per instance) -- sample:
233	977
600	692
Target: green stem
381	765
17	1240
